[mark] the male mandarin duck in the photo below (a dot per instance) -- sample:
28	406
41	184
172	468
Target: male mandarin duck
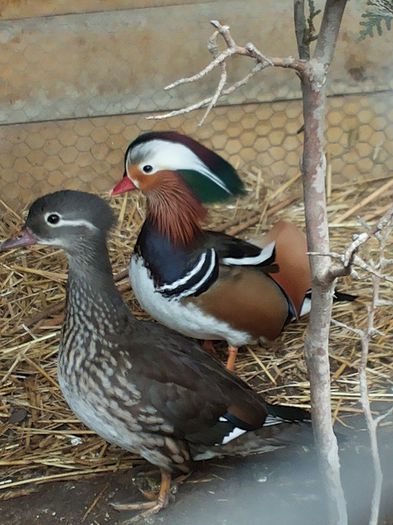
205	284
138	384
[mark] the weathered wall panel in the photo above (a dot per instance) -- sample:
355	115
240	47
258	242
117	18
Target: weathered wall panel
87	154
75	89
15	9
118	62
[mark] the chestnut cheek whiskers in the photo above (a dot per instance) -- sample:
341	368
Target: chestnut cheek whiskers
174	208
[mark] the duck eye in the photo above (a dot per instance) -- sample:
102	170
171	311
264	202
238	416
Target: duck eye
147	168
53	218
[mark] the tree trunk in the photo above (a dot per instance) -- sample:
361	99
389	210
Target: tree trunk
317	338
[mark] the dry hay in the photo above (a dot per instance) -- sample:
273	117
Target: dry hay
41	440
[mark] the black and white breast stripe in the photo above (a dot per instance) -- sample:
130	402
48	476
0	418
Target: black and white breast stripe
205	271
196	281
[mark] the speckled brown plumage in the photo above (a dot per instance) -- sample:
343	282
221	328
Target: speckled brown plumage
137	384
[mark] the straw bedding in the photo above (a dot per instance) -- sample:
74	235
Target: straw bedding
41	440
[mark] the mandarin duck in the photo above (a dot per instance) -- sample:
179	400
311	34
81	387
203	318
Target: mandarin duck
138	384
204	284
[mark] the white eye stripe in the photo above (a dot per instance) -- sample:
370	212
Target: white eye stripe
69	222
79	222
165	155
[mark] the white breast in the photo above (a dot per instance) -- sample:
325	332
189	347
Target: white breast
183	317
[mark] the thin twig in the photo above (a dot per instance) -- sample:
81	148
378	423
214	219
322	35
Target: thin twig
204	102
381	231
213	48
350	257
300	30
219	60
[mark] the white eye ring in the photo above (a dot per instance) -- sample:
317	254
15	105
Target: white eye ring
53	219
147	168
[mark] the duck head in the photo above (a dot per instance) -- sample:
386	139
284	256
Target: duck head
65	219
178	175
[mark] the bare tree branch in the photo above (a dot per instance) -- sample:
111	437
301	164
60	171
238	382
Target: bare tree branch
300	29
355	262
313	74
219	60
198	105
350	259
356	331
327	38
316	346
381	231
381	417
304	28
312	71
213	48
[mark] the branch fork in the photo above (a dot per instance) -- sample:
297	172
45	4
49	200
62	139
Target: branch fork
219	60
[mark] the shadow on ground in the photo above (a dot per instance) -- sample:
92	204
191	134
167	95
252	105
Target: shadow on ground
280	488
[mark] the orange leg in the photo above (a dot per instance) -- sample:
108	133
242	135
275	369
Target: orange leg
149	507
232	354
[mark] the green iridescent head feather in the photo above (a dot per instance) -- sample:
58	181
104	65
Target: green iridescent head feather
208	191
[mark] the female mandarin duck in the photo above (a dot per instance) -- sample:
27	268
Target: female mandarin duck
206	284
137	384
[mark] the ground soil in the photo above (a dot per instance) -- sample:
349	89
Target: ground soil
280	488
